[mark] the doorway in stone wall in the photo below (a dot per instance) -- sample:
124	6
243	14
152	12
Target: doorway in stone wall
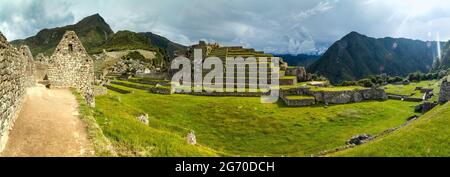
45	81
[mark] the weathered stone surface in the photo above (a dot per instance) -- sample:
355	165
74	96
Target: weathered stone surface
298	102
425	107
29	65
287	81
13	80
444	94
296	91
373	94
143	118
350	96
359	139
72	67
191	139
339	97
300	72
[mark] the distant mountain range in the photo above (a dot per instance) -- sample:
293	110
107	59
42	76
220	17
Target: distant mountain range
97	35
357	56
299	60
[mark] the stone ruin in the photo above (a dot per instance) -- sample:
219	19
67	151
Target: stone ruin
191	138
300	72
263	62
72	67
14	78
444	94
143	118
359	139
425	106
331	97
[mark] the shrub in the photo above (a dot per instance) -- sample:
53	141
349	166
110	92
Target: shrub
366	83
349	83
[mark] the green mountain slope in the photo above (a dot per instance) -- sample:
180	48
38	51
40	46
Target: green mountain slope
162	42
356	56
92	31
123	40
97	35
428	136
444	63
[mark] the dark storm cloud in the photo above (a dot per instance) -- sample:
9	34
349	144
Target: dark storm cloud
287	26
21	18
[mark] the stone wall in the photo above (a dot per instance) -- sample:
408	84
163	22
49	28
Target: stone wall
299	72
29	66
287	81
12	86
350	96
298	102
339	97
72	67
223	94
444	94
296	91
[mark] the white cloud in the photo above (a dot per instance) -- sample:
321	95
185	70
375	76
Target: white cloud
274	26
322	7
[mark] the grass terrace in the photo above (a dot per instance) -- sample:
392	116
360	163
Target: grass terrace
236	126
409	90
426	137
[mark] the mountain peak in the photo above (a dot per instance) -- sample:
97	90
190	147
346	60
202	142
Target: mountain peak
92	30
96	18
357	56
352	35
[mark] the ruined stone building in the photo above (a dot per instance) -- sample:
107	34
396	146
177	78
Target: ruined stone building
14	78
72	67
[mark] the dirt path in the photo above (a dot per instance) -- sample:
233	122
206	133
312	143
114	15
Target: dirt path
48	125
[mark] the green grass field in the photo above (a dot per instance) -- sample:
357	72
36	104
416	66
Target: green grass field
428	136
236	126
409	90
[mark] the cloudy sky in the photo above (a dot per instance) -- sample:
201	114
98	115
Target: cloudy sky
278	26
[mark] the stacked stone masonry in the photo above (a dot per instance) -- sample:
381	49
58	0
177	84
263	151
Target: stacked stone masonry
337	97
249	73
444	95
72	67
29	65
298	102
14	78
299	72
